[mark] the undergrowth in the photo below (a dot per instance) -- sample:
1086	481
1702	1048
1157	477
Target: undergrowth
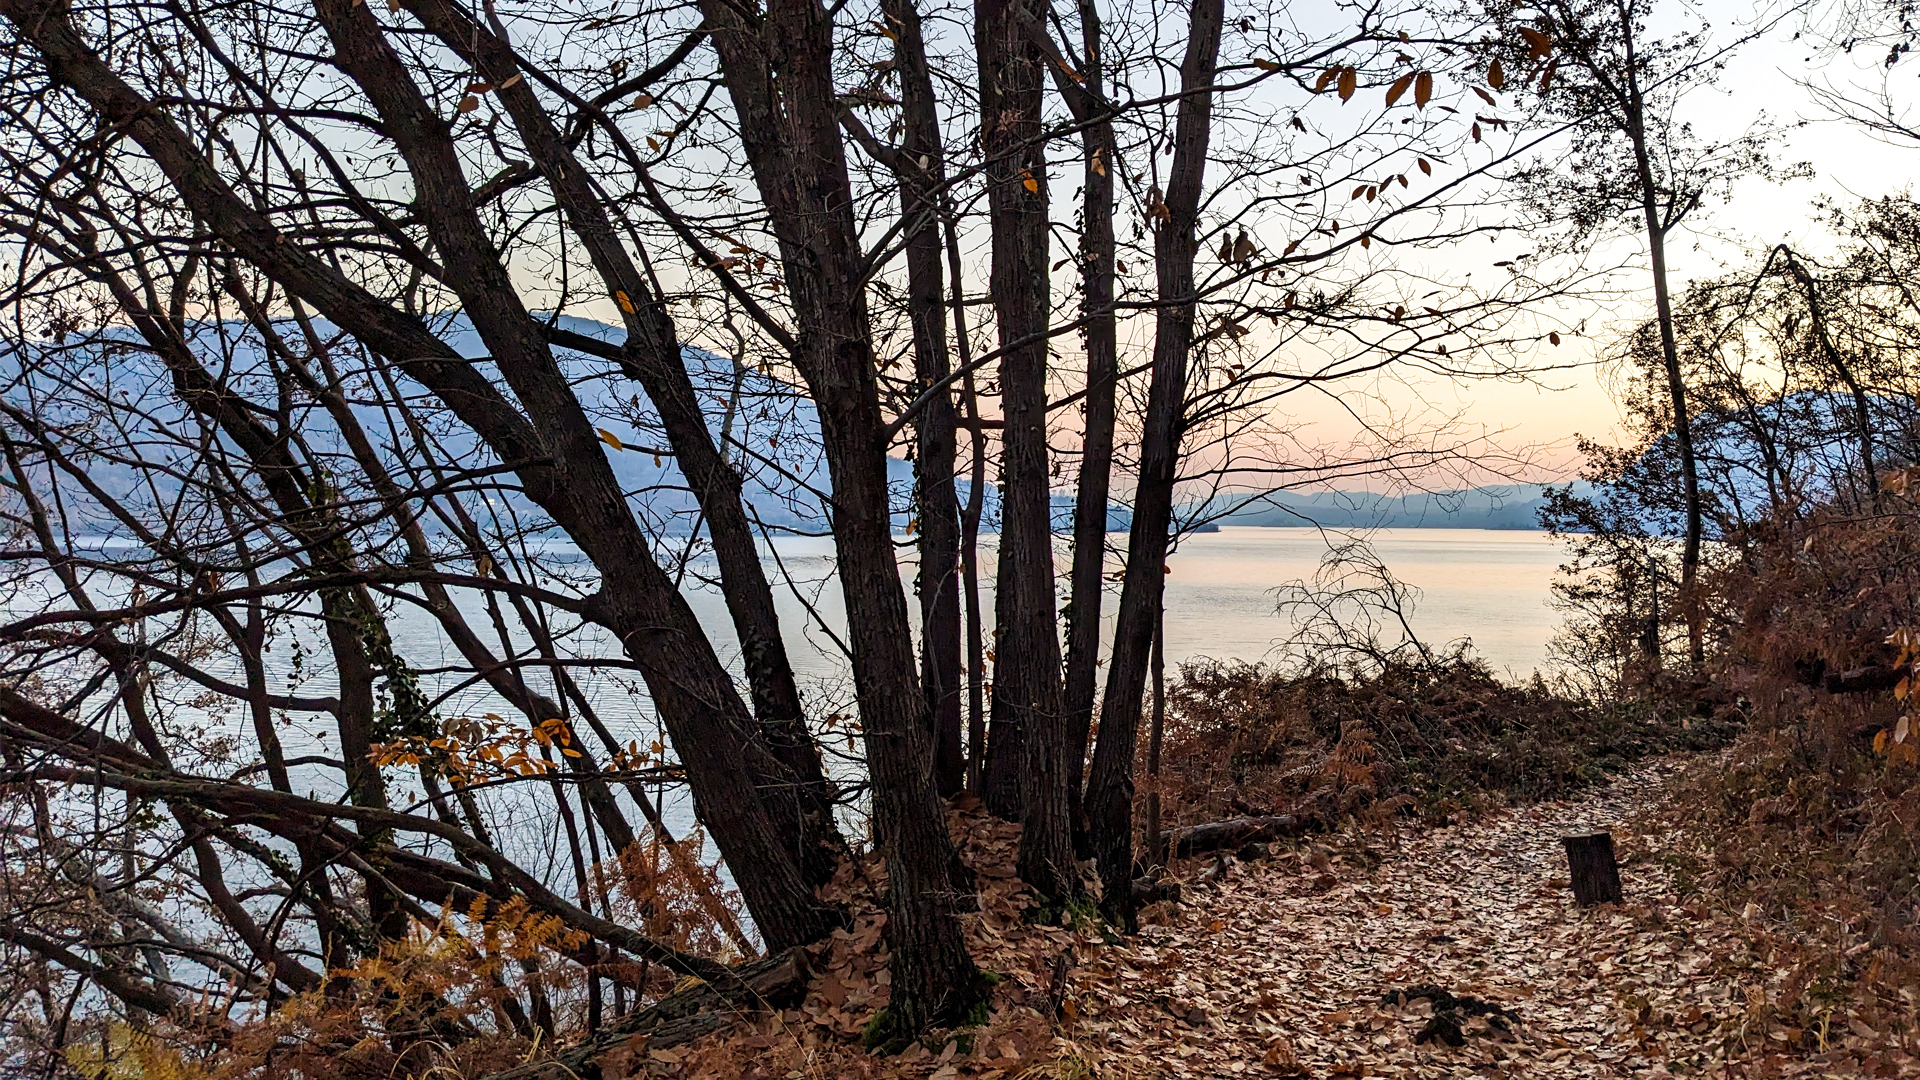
1434	736
1810	825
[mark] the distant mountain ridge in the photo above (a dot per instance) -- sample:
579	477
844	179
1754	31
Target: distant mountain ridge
1503	507
773	435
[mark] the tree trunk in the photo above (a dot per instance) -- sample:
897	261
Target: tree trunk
651	356
742	792
505	680
1027	747
970	529
1157	844
1670	358
1109	799
779	73
921	171
1096	447
689	685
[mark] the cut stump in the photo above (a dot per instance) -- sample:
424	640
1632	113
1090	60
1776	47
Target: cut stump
1595	874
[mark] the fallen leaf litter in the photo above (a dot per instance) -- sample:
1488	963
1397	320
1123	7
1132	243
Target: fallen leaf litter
1313	963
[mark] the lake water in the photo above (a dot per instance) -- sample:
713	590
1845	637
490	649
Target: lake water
1222	590
1490	586
1487	586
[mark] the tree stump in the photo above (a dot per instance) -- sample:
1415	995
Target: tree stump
1595	874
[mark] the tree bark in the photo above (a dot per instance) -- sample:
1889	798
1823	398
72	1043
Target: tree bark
652	357
1669	354
970	516
1092	486
512	336
739	786
920	168
1156	843
1109	799
1026	769
778	71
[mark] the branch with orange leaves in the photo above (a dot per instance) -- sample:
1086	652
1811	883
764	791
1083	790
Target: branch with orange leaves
99	760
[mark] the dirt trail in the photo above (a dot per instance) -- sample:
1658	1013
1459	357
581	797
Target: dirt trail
1280	967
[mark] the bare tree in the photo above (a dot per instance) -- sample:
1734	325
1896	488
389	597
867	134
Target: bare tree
340	338
1175	248
1632	158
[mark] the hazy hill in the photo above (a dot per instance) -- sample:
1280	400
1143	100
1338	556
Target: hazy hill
1475	508
773	434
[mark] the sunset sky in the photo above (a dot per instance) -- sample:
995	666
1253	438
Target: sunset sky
1848	164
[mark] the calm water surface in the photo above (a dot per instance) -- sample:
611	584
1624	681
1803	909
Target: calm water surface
1491	587
1487	585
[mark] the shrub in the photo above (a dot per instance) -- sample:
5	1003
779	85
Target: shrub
1433	736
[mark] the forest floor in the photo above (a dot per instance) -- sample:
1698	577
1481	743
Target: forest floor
1286	967
1298	966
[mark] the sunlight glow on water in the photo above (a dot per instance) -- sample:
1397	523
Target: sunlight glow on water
1487	585
1490	586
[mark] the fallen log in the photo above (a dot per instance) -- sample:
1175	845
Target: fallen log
1870	679
1231	833
1147	891
680	1017
1864	680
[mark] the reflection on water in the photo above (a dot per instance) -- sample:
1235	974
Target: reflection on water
1490	586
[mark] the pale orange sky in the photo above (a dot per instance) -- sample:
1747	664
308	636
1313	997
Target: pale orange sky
1848	164
1547	414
